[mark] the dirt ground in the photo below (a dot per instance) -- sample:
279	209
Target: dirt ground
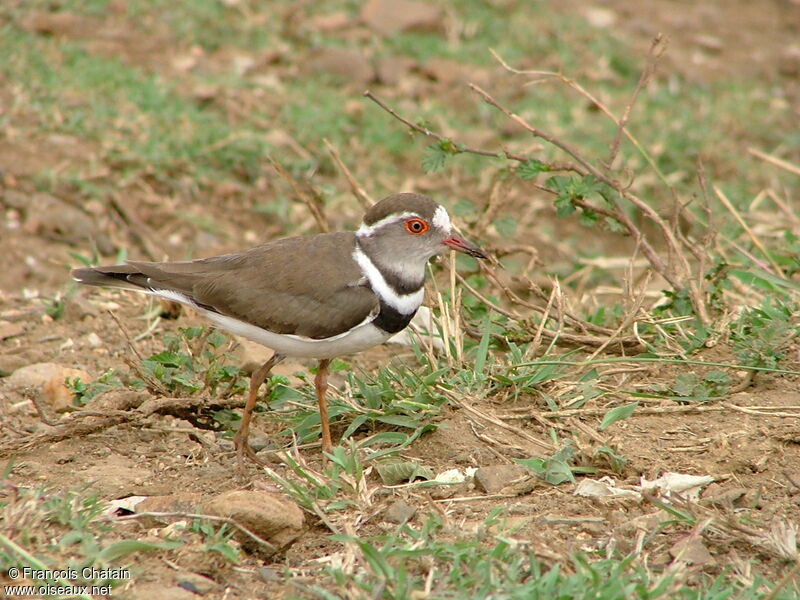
753	458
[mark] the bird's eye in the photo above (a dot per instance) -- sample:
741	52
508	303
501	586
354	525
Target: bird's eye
416	226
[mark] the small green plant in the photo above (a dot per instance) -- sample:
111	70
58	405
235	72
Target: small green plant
762	334
54	307
690	387
196	359
216	539
341	486
84	392
557	469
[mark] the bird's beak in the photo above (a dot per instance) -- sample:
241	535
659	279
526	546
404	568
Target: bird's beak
462	245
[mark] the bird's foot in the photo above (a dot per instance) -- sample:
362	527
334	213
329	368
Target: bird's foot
243	449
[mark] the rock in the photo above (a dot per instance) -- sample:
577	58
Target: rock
789	61
187	502
159	590
270	516
10	363
391	70
446	70
723	499
493	479
48	380
196	583
56	23
93	340
260	441
77	308
344	63
49	216
399	512
711	43
601	18
269	574
388	17
330	23
9	330
691	550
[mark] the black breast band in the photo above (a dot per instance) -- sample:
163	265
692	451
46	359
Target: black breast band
390	319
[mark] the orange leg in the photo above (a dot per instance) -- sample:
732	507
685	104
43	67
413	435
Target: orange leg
240	440
321	386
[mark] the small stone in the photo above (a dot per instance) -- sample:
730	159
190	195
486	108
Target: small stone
182	502
270	516
724	499
225	445
347	64
391	70
78	308
48	379
399	512
269	575
691	550
388	17
259	442
710	43
10	363
50	216
53	23
493	479
329	23
197	584
93	340
9	330
598	17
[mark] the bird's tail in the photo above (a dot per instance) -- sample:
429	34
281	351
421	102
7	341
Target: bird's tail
119	276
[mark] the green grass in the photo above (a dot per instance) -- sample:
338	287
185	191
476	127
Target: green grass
494	563
60	531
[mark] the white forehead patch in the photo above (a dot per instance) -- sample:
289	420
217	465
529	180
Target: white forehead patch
441	219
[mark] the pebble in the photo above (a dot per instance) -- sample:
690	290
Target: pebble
494	478
388	17
399	512
48	379
93	340
270	516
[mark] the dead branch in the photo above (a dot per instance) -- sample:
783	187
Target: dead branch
657	50
306	193
358	191
460	147
111	409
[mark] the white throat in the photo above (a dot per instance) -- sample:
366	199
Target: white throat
403	303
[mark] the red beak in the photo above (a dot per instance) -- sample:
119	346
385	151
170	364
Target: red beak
462	245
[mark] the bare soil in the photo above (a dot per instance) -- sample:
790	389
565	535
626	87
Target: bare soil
749	452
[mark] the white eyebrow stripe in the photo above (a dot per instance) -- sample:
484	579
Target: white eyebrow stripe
405	304
367	230
441	219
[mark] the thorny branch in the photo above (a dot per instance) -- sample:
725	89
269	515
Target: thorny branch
675	267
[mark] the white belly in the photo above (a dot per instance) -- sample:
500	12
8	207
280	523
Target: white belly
359	338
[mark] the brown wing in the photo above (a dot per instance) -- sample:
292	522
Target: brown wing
308	286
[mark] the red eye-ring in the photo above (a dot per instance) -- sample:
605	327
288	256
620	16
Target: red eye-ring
416	226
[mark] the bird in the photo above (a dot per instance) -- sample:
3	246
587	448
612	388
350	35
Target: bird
316	296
